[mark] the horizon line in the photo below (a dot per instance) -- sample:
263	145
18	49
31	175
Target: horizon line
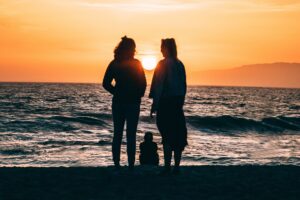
191	85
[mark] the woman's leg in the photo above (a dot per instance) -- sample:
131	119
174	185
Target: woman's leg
119	121
177	158
181	132
167	156
132	118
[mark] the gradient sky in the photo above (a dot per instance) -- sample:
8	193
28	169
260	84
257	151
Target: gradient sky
73	40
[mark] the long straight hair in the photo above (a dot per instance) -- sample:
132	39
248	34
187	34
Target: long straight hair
125	50
169	46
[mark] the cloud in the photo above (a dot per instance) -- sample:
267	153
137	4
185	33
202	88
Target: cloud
10	15
278	2
138	5
175	5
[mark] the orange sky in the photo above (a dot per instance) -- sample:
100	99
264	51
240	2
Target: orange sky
73	40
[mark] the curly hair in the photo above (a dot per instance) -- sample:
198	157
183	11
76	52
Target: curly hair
125	49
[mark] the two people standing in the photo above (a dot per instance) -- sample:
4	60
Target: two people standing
168	91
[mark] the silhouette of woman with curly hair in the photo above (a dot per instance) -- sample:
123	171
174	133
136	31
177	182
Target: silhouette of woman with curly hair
129	88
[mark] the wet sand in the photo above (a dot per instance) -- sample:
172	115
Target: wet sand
198	182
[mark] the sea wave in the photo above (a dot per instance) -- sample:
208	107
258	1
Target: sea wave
17	151
91	121
71	143
80	119
230	123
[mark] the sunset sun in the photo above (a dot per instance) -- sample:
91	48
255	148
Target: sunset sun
149	62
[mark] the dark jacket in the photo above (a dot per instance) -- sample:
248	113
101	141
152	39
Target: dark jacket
169	80
130	81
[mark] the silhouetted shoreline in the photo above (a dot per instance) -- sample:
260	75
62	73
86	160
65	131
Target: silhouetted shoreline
195	182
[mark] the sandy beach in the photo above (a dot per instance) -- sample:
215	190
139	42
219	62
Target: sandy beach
198	182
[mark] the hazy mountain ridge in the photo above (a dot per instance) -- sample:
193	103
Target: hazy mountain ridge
279	74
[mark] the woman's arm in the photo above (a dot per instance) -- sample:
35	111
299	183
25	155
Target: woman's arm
157	85
142	80
108	78
184	75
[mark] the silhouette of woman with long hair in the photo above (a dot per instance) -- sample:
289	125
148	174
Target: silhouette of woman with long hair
168	91
129	88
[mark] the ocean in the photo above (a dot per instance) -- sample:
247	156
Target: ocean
54	124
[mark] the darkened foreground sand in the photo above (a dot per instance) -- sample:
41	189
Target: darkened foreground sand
203	182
